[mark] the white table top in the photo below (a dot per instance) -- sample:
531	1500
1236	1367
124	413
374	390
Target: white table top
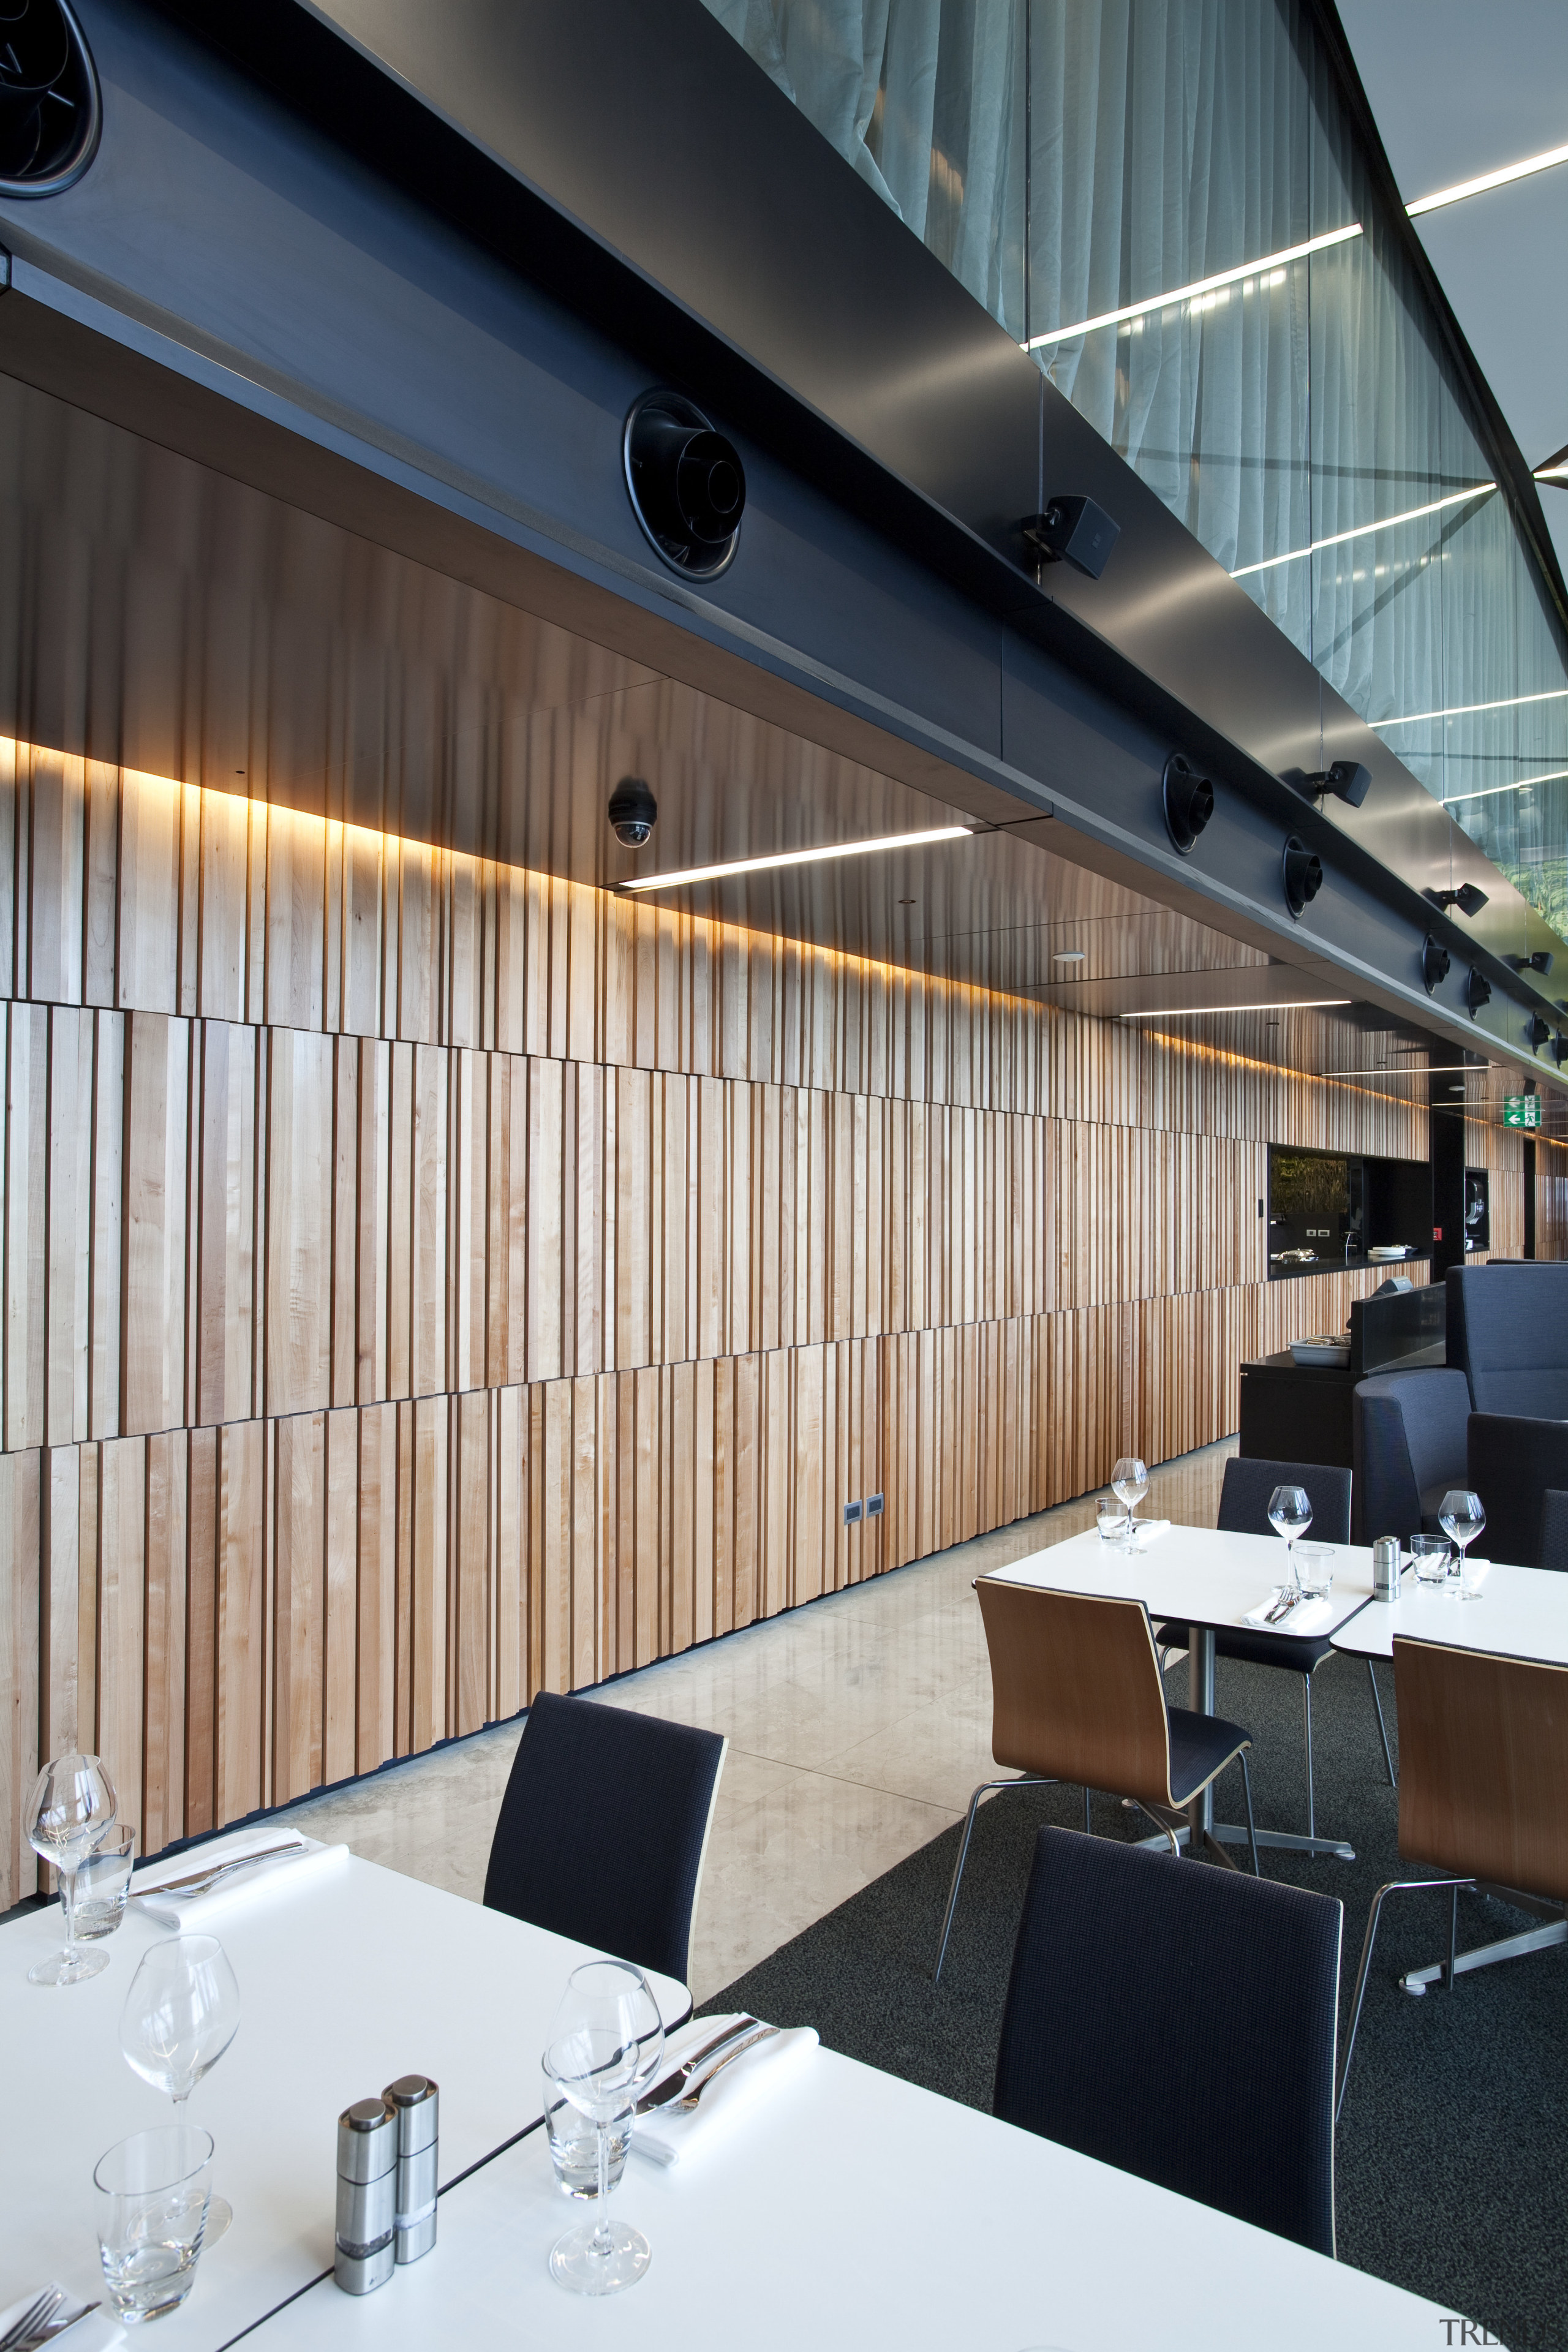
1194	1575
1522	1613
346	1981
853	2210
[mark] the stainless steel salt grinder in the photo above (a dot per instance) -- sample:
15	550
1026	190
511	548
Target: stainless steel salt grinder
368	2195
417	2102
1385	1568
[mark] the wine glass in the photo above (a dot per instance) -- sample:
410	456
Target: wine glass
1462	1516
603	2053
180	2016
1290	1516
71	1810
1130	1484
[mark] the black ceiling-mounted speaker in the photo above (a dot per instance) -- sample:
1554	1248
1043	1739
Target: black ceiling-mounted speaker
686	483
1346	779
1477	990
1468	898
1435	962
1188	800
1537	1031
1539	962
50	109
1303	873
1075	531
1560	1049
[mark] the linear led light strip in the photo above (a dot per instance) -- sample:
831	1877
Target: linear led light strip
1487	180
1489	791
1419	1070
1384	522
1292	253
1190	293
797	857
1200	1012
1468	710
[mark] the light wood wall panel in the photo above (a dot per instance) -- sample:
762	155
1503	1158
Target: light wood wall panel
426	1282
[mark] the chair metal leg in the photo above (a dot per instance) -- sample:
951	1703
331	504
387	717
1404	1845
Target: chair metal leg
1025	1780
1312	1792
1088	1827
1394	1887
1453	1940
1382	1727
1251	1824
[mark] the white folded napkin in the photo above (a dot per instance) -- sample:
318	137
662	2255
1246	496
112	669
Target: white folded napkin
89	2331
1149	1531
262	1884
668	2136
1307	1617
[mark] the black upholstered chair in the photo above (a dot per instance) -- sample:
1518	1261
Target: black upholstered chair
1407	1449
1244	1510
604	1827
1554	1528
1514	1464
1508	1333
1180	2025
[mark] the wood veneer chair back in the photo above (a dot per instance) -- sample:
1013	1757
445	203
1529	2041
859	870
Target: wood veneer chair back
1483	1766
1076	1689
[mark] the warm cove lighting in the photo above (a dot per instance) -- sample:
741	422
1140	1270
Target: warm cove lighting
1487	180
1192	293
797	857
1203	1011
1384	522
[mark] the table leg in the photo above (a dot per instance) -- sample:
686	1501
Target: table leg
1507	1948
1200	1698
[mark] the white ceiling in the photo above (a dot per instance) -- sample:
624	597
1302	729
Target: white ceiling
1460	88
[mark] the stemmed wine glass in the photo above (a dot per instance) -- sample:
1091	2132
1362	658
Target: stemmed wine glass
1130	1484
1290	1516
70	1812
1461	1517
180	2016
604	2052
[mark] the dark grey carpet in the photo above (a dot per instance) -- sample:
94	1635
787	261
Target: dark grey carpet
1452	2153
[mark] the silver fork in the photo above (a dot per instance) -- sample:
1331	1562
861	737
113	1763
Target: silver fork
200	1881
37	2317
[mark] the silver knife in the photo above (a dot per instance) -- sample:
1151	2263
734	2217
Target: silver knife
673	2084
198	1881
763	2033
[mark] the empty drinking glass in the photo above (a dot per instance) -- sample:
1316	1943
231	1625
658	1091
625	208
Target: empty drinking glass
71	1810
1315	1571
1430	1554
180	2016
1111	1522
603	2053
574	2143
151	2201
102	1885
1130	1482
1461	1517
1290	1516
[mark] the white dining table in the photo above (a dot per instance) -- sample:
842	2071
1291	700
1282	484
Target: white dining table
1206	1578
347	1979
850	2211
1519	1612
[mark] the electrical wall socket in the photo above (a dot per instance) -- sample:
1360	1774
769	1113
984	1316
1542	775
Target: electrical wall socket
851	1513
873	1507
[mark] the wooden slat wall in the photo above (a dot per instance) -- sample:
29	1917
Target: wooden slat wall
426	1281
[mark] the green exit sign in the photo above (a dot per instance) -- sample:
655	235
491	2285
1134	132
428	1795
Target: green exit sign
1522	1110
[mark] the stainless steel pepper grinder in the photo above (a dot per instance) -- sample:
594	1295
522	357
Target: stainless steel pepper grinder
416	2101
367	2196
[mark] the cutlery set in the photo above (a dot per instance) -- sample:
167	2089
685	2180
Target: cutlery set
200	1881
678	2094
42	2320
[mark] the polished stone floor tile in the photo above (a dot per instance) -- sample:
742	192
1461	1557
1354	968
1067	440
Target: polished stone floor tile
858	1724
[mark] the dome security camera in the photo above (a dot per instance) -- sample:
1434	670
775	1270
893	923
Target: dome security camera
633	813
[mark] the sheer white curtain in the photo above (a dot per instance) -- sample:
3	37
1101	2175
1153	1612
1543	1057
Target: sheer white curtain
925	100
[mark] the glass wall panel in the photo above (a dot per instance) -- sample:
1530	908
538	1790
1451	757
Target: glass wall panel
1165	201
